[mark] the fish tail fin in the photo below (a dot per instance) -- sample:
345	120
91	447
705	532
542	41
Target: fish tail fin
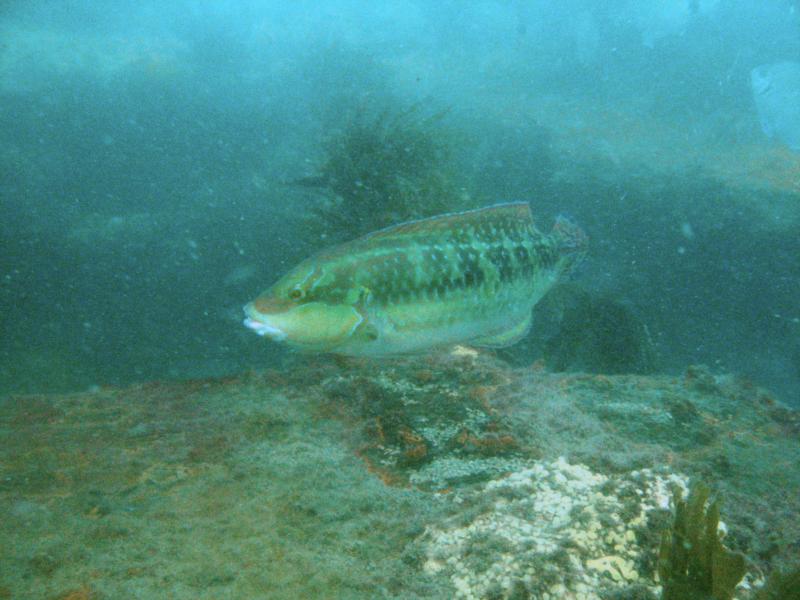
571	241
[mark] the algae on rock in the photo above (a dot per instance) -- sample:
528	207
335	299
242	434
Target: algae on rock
693	563
385	169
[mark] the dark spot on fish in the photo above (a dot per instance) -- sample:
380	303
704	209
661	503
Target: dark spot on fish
501	259
527	269
470	267
545	255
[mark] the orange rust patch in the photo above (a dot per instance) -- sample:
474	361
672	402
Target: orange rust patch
82	594
388	478
489	445
409	437
483	394
35	410
378	431
416	449
422	376
415	453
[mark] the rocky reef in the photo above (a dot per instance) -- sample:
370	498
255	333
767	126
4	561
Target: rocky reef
450	476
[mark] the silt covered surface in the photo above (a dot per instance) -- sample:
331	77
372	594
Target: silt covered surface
448	476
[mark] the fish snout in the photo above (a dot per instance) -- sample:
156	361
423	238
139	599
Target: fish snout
260	323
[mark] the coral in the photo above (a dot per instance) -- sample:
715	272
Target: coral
693	563
550	529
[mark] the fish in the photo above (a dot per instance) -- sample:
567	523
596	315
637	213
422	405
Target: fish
776	93
469	277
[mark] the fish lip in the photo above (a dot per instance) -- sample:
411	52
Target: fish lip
264	329
261	326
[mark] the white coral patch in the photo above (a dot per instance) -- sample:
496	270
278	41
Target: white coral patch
552	528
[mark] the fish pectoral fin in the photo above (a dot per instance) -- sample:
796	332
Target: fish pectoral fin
506	337
359	296
366	331
358	300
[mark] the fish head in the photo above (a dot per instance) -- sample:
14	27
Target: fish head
305	310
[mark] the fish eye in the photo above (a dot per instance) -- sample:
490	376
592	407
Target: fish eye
296	294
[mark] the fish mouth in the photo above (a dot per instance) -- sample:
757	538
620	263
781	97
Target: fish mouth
261	325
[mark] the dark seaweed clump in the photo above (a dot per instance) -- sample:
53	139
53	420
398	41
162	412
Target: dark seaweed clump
385	169
693	564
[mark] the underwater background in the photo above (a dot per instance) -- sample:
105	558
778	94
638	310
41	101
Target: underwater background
161	163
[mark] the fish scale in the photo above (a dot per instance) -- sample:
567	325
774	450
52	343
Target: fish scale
463	277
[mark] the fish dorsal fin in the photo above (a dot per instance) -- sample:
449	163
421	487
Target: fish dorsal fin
498	215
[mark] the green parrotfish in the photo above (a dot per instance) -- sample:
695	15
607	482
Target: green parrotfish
471	277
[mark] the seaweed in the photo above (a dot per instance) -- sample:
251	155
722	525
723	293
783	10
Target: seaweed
781	585
385	169
693	563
